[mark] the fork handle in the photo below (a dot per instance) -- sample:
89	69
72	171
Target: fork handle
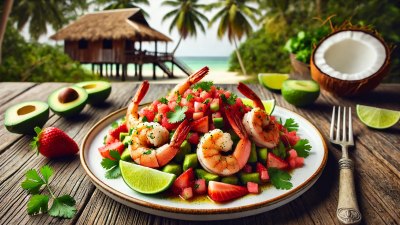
347	211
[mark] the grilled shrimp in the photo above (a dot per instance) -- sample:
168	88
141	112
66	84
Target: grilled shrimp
262	130
214	150
148	145
192	79
132	115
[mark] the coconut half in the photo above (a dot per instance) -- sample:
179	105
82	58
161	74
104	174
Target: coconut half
349	62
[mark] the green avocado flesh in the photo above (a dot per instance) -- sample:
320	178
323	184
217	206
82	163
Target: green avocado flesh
98	91
22	118
70	108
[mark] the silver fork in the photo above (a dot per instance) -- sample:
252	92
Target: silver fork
347	210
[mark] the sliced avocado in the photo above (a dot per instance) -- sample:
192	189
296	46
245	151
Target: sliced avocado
68	101
22	118
98	91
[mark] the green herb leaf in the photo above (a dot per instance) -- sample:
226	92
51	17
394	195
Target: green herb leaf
148	152
231	100
112	166
189	97
302	148
178	115
63	207
114	124
206	101
163	100
113	173
33	182
205	85
280	179
280	150
291	125
46	172
38	204
144	119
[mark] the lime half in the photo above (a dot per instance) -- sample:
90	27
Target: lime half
269	105
272	81
376	117
144	179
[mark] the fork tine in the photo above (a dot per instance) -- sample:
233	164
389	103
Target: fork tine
344	137
332	123
350	128
338	125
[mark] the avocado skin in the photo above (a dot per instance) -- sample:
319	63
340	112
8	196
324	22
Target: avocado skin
27	126
68	112
99	97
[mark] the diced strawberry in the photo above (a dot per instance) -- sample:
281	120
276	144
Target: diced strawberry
260	167
187	193
197	99
110	139
204	95
264	176
105	150
216	115
222	192
168	125
275	161
247	168
292	163
253	188
194	138
186	179
199	107
299	162
115	132
198	115
227	94
200	186
172	105
292	153
148	113
163	108
290	138
200	125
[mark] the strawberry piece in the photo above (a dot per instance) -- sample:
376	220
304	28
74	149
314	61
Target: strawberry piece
110	139
187	193
198	115
222	192
292	163
290	138
168	125
275	161
299	162
292	154
54	143
200	186
253	188
247	168
105	150
194	138
264	176
186	179
200	125
120	129
148	113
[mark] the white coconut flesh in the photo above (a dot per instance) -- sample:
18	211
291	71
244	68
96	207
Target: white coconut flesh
350	55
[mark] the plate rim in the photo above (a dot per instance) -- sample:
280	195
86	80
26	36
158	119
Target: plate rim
312	179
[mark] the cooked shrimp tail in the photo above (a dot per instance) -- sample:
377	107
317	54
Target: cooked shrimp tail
132	115
246	91
236	123
192	79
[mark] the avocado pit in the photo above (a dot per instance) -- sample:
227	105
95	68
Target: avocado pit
68	95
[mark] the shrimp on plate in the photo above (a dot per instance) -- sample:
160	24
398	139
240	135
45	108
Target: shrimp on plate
132	115
213	151
258	124
179	89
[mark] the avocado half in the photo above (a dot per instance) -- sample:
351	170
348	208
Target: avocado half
22	118
70	108
98	91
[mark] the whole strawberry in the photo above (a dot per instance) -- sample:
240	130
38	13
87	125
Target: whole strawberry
54	143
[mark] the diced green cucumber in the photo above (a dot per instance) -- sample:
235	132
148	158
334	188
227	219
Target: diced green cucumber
183	150
250	177
214	106
122	135
253	154
262	155
126	155
127	140
218	122
190	161
173	168
230	180
202	174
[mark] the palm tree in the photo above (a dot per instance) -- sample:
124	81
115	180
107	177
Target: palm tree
186	18
7	6
123	4
233	19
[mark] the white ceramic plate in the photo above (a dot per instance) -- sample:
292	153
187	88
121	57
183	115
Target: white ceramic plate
302	179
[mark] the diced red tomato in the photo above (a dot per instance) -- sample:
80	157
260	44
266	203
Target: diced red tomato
294	160
187	193
148	113
216	115
199	107
115	132
186	179
299	162
290	138
110	139
172	105
204	95
247	168
193	138
292	153
222	192
200	125
105	150
200	186
260	168
275	161
198	115
253	188
163	108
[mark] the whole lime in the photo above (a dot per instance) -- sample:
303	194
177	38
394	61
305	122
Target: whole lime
300	92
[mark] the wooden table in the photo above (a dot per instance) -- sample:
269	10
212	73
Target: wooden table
376	157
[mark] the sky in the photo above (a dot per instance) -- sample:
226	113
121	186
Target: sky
206	44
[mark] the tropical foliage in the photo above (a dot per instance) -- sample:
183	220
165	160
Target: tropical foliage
123	4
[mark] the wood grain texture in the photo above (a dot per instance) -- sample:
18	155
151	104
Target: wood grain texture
375	156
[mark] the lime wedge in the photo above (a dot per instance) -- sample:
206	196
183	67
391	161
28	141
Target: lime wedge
300	92
269	105
144	179
376	117
272	81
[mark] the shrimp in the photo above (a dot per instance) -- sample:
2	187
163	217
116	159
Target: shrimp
262	130
192	79
148	143
132	115
213	149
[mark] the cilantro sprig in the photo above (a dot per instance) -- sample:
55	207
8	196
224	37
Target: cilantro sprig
280	150
177	115
231	100
163	100
63	206
290	125
205	85
112	165
302	148
279	178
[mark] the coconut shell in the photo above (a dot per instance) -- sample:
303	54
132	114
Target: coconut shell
349	87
